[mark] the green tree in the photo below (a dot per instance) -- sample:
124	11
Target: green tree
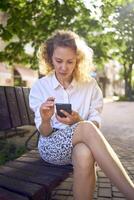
31	22
124	37
115	40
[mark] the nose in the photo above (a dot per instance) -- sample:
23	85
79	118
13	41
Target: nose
63	66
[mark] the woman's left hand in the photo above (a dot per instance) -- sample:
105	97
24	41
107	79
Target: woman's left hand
70	119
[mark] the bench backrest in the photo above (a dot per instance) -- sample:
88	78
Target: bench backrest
14	107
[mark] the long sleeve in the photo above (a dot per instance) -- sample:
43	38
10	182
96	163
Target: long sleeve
35	101
96	105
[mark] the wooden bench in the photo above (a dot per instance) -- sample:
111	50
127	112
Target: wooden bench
28	177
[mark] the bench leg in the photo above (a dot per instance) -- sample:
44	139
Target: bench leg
29	138
48	196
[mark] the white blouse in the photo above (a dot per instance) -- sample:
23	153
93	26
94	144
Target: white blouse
86	98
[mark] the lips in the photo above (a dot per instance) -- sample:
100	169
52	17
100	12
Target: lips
62	73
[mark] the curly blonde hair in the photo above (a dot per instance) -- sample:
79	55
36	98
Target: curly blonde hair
69	39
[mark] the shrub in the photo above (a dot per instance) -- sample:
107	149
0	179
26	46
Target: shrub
10	151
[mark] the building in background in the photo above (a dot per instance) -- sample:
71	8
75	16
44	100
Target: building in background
24	76
110	81
6	75
116	84
17	75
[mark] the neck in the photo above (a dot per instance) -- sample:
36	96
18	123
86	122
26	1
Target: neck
64	82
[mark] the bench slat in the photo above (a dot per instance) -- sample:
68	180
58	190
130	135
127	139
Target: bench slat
30	190
13	106
38	161
22	106
31	169
30	113
5	122
8	195
49	179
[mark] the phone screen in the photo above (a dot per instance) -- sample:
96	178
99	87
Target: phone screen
63	106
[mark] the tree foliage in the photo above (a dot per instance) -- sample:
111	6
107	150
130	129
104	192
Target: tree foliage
32	21
124	38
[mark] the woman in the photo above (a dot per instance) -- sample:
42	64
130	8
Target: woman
75	138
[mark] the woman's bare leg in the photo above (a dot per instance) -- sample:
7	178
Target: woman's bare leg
84	173
87	133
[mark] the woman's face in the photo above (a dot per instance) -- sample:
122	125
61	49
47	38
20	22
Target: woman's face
64	61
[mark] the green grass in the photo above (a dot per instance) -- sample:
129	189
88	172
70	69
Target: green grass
10	151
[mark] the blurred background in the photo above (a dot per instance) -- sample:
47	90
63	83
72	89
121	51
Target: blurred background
106	25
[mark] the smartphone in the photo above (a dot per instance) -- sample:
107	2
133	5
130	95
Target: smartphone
63	106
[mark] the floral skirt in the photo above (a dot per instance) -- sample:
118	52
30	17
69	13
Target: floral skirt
57	148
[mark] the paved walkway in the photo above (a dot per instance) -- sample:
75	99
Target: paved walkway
118	128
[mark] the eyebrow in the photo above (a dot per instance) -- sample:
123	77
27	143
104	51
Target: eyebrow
61	58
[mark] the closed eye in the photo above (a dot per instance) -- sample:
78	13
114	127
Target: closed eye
70	62
58	61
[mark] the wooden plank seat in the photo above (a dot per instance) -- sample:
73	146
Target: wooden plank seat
6	195
27	177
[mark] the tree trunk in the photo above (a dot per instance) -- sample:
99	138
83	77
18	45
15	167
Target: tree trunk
128	81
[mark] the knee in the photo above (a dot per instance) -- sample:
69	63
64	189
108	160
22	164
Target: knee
87	128
82	158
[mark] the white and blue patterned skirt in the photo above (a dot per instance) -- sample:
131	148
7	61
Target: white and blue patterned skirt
57	148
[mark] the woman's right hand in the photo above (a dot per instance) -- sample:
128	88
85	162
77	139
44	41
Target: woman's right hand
47	109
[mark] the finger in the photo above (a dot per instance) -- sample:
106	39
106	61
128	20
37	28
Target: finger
50	99
46	108
64	120
65	113
74	112
49	104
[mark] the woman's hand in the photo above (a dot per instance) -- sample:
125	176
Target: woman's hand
70	118
47	109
